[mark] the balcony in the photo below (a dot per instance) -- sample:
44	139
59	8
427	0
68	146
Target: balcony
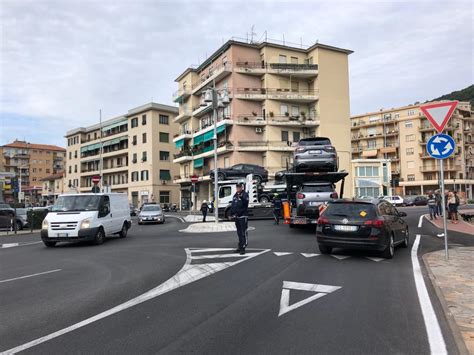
217	74
262	146
431	168
223	147
380	121
284	69
183	134
199	111
180	95
182	157
185	113
292	95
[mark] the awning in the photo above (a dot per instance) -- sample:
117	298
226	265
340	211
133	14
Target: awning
369	153
90	147
221	129
113	125
198	163
179	143
198	139
165	175
112	142
208	136
388	150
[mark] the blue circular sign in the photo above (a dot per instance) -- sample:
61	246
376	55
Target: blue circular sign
440	146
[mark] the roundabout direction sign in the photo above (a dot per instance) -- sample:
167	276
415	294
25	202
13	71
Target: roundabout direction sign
440	146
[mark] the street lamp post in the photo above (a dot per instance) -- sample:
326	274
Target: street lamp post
211	95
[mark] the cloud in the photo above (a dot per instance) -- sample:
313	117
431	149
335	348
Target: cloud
63	60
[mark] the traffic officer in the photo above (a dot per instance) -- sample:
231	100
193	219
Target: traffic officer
277	204
239	212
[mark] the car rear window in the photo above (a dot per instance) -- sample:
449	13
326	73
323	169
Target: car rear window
315	141
355	210
317	188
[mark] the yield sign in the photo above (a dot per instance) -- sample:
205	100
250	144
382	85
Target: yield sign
439	113
317	291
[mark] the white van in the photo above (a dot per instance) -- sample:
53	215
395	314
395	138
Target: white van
86	216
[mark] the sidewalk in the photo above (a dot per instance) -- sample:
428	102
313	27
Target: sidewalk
22	232
461	227
453	281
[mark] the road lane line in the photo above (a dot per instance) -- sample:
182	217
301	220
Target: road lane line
187	274
32	275
14	245
433	330
420	221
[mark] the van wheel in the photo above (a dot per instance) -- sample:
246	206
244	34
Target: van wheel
99	236
49	244
390	249
123	232
324	249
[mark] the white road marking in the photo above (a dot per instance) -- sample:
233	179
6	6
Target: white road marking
309	255
12	245
177	217
223	256
433	330
197	250
321	291
420	221
340	257
281	253
188	273
32	275
374	259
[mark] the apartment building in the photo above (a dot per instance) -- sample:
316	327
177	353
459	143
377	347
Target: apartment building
371	177
401	134
278	95
31	162
53	186
137	150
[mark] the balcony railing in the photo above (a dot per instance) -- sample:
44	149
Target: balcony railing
214	74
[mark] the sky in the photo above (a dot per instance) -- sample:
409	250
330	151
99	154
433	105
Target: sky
61	61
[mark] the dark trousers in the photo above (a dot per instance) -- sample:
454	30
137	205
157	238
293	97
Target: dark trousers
276	215
204	214
432	209
241	223
439	210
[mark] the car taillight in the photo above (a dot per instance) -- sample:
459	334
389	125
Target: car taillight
329	148
334	195
323	220
300	195
376	223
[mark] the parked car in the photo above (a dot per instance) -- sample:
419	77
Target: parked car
362	224
395	200
416	201
22	217
310	196
240	171
315	154
151	213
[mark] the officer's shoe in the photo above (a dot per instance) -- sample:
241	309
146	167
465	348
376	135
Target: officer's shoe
242	252
236	251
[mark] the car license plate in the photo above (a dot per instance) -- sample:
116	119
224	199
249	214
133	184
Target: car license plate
63	235
318	151
314	203
345	228
299	220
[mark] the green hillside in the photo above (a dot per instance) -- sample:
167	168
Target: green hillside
466	94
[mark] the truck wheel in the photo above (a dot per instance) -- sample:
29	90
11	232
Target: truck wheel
99	236
292	225
324	249
264	199
49	244
123	232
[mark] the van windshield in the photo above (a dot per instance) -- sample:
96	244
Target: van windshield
76	203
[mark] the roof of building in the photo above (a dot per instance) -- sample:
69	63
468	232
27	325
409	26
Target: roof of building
268	43
53	177
27	145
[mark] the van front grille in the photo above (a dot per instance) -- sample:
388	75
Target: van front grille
63	225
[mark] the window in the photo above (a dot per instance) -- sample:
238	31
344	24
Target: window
295	110
164	156
294	60
410	138
165	175
410	164
283	109
410	151
284	136
164	137
397	115
95	135
411	112
134	158
164	119
70	169
70	155
134	140
164	197
282	58
144	138
143	120
411	177
371	131
225	191
34	169
226	162
295	86
134	175
143	156
372	143
186	170
75	168
134	122
409	124
75	154
296	136
144	175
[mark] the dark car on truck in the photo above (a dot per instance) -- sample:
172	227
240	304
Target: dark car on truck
240	171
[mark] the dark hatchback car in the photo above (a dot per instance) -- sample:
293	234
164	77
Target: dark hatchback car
240	171
315	154
416	201
362	224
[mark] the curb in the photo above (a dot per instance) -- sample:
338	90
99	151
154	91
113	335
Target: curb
458	338
12	234
427	218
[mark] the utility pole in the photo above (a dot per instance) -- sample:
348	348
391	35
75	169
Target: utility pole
101	162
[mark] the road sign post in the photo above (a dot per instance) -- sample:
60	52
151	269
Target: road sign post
441	146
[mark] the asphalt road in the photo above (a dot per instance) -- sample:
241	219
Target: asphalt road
218	303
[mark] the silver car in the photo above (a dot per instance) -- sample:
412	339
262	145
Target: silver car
315	154
151	214
311	196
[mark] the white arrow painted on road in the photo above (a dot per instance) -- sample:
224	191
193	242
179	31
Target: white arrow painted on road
340	257
319	290
281	253
309	255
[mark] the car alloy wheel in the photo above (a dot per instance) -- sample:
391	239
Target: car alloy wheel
389	249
